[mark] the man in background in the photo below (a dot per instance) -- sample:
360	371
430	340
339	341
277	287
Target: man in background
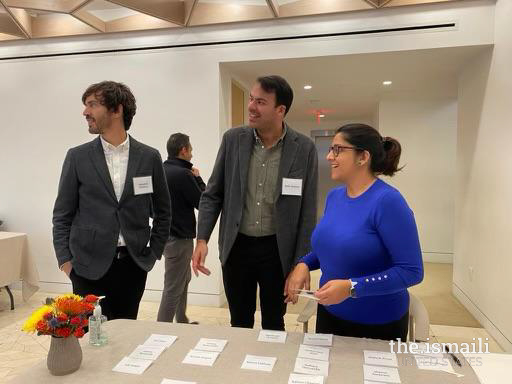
185	187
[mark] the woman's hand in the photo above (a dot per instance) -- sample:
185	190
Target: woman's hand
334	292
298	279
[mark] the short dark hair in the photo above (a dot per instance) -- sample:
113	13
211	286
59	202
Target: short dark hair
111	95
384	151
280	87
176	142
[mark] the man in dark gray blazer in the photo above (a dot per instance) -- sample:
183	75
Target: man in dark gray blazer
109	188
264	183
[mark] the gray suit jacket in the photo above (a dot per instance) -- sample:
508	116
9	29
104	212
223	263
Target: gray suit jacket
87	217
225	192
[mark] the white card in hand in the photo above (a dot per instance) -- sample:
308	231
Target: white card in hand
259	363
156	340
292	187
169	381
313	352
133	366
382	374
205	358
380	358
311	367
309	296
146	352
321	339
142	185
297	378
272	336
213	345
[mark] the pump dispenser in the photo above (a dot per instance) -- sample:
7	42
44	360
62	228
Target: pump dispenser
97	335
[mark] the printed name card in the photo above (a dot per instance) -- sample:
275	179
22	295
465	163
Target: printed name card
313	352
213	345
382	374
259	363
311	367
323	340
133	366
147	352
156	340
296	378
380	358
272	336
205	358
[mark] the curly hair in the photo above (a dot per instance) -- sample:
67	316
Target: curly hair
112	95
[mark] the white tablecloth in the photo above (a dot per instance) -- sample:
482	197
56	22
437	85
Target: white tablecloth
16	263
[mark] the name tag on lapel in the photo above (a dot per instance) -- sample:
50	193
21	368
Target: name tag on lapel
142	185
292	187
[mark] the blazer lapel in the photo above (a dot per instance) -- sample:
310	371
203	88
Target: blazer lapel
135	154
288	154
98	159
245	143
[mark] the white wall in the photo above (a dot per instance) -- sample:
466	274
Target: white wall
427	130
176	89
484	185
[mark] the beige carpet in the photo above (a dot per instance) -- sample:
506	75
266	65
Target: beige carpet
435	292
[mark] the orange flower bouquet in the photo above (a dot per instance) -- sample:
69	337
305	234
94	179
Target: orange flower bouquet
64	316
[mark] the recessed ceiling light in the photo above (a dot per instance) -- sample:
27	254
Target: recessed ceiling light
387	82
308	87
321	115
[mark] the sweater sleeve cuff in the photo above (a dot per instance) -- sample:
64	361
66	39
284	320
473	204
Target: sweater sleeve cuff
311	261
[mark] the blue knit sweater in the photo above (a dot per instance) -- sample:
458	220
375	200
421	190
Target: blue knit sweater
373	240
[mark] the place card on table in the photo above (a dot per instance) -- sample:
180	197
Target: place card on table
259	363
205	358
381	374
320	339
147	352
297	378
311	367
156	340
133	366
212	345
314	352
380	358
272	336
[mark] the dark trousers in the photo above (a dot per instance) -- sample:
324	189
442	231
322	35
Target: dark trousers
254	261
122	286
327	323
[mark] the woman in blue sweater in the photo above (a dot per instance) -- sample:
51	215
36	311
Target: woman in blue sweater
366	244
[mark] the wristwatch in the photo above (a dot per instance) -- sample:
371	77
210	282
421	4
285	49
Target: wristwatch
353	289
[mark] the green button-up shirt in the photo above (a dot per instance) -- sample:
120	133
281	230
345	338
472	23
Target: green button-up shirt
258	218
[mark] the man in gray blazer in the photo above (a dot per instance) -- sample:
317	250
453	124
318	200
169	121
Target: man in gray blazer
108	190
264	183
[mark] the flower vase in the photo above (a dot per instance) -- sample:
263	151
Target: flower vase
64	356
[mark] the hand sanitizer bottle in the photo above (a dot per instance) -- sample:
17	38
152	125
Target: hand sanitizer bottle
97	335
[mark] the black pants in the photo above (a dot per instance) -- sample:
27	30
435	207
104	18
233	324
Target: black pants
122	286
255	261
327	323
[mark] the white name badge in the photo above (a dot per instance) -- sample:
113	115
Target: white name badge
320	339
292	187
313	352
205	358
142	185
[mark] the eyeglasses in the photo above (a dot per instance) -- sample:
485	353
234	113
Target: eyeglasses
337	149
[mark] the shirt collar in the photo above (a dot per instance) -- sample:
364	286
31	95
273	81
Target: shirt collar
107	147
279	141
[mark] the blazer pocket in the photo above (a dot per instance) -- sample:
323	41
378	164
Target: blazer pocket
81	244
